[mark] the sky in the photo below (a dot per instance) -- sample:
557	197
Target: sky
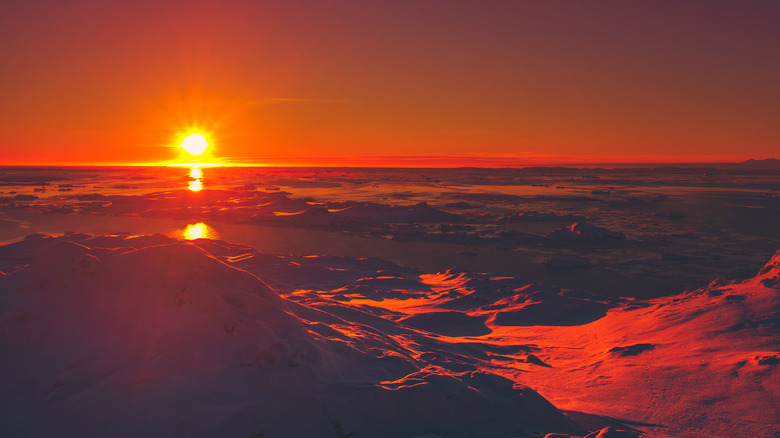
401	82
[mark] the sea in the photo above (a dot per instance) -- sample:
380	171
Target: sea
628	231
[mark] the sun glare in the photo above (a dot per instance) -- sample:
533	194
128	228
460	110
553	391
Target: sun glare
195	185
195	144
197	231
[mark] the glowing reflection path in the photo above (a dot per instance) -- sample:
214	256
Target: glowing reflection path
196	231
196	184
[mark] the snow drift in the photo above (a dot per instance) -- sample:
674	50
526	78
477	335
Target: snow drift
130	336
166	340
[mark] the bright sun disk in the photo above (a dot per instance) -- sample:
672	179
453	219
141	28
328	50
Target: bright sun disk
196	144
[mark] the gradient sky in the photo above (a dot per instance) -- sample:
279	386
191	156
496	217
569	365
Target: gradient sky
378	82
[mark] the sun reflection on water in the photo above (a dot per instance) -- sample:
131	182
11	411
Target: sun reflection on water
195	185
196	231
196	174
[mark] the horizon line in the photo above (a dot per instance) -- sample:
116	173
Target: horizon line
418	161
390	165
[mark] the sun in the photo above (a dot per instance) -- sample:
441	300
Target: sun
195	143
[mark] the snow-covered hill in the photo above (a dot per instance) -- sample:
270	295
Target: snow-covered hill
148	336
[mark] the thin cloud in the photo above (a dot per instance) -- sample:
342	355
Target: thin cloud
255	102
272	100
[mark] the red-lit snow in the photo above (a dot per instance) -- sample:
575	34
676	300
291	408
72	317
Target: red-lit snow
147	336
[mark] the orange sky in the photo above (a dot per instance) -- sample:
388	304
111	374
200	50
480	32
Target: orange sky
352	81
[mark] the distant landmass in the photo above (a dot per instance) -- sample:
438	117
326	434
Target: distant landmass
766	164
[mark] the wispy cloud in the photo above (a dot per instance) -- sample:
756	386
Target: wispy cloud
256	102
272	100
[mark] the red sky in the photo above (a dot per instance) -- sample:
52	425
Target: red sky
353	81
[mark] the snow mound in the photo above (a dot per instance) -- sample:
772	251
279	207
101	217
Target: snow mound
631	350
449	323
772	265
584	232
137	336
535	216
541	307
168	340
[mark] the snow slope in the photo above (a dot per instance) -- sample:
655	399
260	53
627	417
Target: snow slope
166	340
145	335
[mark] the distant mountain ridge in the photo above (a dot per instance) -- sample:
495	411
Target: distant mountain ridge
768	163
